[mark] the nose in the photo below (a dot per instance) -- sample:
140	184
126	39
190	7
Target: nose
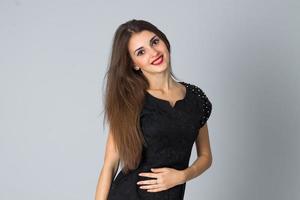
153	51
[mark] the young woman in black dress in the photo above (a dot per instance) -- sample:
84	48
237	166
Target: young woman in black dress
153	120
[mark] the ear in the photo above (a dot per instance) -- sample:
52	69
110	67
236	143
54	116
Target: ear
136	68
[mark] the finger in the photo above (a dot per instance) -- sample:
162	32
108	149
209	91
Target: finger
155	186
163	169
147	182
151	175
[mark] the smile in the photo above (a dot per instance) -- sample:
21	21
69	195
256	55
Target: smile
158	61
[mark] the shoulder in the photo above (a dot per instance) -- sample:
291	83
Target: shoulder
195	90
201	101
198	94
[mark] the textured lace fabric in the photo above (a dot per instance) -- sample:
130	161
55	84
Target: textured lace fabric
169	132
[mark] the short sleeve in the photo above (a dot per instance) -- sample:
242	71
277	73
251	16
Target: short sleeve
204	106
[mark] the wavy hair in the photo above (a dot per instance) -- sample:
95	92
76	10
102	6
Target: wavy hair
125	93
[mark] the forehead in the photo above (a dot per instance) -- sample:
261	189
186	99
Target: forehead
139	39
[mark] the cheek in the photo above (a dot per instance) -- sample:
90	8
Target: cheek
163	47
142	61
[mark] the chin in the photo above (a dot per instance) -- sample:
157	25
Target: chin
162	68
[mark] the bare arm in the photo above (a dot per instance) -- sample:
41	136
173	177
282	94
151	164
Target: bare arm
109	169
204	159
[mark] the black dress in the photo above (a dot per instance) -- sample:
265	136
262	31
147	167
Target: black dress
170	133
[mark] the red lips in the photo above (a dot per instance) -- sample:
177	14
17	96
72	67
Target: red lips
160	57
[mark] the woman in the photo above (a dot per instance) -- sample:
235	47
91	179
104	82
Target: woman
153	120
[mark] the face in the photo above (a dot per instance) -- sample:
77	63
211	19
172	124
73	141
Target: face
148	52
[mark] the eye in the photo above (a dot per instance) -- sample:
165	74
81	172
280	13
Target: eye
139	53
155	41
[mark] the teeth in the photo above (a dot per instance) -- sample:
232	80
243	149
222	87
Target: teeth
158	60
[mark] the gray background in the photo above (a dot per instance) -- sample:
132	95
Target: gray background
243	54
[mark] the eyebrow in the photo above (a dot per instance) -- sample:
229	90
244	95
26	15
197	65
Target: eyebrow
150	42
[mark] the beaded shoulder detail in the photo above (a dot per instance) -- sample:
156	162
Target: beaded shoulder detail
196	90
204	105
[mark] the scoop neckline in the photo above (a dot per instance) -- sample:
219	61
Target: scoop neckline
168	102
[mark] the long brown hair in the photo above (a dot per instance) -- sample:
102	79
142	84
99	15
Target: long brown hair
125	92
